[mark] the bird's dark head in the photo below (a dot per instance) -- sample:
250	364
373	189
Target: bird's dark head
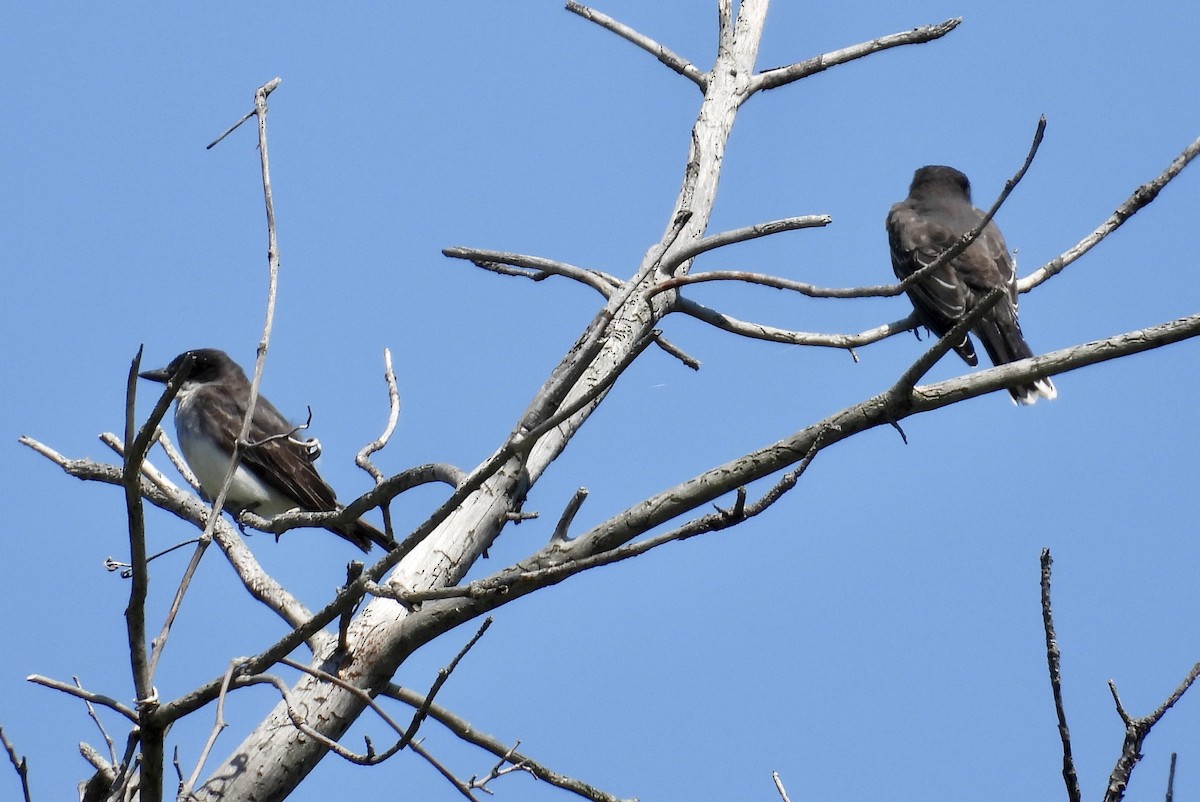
939	178
206	364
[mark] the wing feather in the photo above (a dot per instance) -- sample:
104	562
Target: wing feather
278	462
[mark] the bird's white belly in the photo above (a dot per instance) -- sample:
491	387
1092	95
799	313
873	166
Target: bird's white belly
210	464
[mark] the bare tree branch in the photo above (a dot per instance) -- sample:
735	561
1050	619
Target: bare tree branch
779	787
219	725
1053	659
502	767
19	764
437	553
536	268
462	787
759	331
778	76
443	674
724	238
177	460
593	548
363	458
78	692
168	496
1141	197
141	663
112	750
440	551
915	372
464	730
1136	730
568	515
666	56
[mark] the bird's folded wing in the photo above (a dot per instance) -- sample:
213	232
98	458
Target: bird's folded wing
275	459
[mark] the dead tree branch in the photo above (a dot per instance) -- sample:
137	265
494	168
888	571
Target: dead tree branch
1136	730
20	764
1053	659
666	56
778	76
78	692
467	732
1141	197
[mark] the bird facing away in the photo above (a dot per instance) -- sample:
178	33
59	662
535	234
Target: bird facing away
935	215
276	473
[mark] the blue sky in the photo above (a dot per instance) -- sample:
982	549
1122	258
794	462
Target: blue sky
878	629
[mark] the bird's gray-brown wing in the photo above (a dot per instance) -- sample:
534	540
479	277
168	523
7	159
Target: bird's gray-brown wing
941	298
281	463
992	247
988	266
276	460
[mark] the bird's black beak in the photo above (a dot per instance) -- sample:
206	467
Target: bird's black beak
159	375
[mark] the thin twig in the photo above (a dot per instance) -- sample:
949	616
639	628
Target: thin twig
311	445
167	495
229	130
503	766
1141	197
779	786
371	757
568	515
177	460
537	268
671	349
363	458
461	786
20	764
141	663
443	675
603	283
1136	730
242	441
298	721
1053	660
663	54
378	496
160	641
758	331
112	750
219	725
80	693
778	283
917	370
720	240
778	76
471	734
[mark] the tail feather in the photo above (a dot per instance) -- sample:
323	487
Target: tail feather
1001	336
967	351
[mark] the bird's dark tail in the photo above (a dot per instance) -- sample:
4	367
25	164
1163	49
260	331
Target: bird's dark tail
362	534
1002	339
